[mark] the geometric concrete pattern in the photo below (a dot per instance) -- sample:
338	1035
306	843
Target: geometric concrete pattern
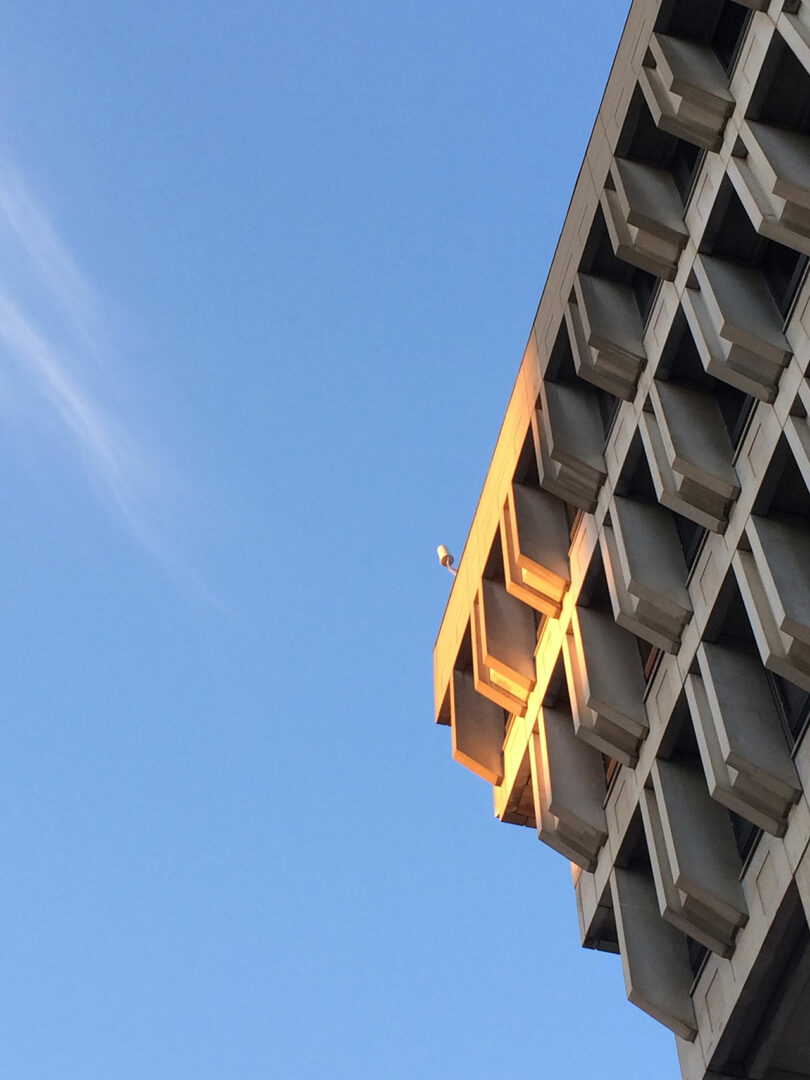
625	653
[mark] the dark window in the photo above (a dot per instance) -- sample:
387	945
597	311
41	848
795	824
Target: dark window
681	363
527	471
720	24
783	491
783	269
599	259
684	166
644	287
608	407
561	370
731	234
642	140
636	479
691	537
735	408
745	834
697	954
782	94
729	33
793	704
595	592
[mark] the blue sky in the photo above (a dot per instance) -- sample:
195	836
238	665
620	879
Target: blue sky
266	276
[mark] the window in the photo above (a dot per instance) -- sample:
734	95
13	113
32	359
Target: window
600	260
729	34
642	140
745	834
793	704
698	954
691	536
720	24
730	234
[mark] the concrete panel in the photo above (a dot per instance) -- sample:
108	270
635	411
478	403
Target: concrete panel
654	960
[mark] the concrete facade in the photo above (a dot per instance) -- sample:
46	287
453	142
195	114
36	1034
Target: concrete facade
625	653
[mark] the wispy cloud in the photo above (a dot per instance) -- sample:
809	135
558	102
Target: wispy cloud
55	361
52	346
26	226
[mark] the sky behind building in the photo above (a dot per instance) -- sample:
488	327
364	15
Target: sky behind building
266	276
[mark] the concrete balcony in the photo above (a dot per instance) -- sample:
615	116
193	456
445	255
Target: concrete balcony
568	782
687	90
644	216
605	685
772	180
606	331
503	639
646	572
694	857
569	444
597	926
654	957
774	579
690	454
744	753
478	726
514	795
534	540
737	326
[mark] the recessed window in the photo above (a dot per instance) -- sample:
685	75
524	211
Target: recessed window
729	33
746	834
735	408
721	24
782	93
599	259
783	492
731	235
684	166
608	407
642	140
698	954
691	536
681	363
783	270
793	704
561	369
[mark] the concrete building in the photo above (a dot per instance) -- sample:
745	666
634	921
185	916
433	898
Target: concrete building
625	653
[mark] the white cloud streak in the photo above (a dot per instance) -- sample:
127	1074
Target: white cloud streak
50	336
25	224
